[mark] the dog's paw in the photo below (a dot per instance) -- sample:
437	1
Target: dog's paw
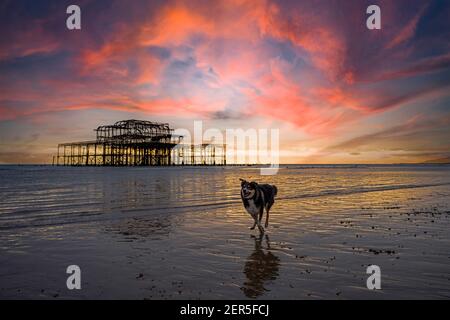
252	228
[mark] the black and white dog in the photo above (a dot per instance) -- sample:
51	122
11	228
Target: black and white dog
257	197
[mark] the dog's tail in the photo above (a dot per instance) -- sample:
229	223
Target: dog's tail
275	190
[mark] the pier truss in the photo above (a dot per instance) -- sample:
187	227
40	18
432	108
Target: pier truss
138	143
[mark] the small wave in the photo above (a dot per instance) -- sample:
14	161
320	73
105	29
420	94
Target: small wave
95	215
363	190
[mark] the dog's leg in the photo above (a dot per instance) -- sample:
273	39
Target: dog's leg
267	218
254	224
260	227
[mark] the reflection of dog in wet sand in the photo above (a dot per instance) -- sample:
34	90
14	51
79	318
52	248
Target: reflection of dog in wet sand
257	197
261	266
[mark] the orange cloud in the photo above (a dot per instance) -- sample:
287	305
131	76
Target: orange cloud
228	51
25	42
408	31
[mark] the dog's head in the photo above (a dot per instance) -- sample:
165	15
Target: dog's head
248	189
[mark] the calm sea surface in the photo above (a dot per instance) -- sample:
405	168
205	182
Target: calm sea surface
174	233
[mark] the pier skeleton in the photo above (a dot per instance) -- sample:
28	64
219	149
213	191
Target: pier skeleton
138	143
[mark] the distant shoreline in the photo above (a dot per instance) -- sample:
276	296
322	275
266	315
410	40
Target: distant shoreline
312	165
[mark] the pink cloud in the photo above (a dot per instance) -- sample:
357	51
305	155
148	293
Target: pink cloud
408	31
118	72
423	66
28	41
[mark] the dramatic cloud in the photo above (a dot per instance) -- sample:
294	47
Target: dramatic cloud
312	66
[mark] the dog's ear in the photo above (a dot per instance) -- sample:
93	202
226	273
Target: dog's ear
253	184
242	181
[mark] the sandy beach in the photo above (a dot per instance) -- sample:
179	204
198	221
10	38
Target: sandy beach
182	233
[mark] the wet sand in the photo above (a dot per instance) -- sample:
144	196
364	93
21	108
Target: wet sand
182	233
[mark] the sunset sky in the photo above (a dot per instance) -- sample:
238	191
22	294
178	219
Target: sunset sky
338	92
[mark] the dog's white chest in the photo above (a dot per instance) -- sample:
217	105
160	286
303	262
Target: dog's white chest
252	209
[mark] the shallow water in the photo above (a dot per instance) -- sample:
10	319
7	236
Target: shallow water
174	233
